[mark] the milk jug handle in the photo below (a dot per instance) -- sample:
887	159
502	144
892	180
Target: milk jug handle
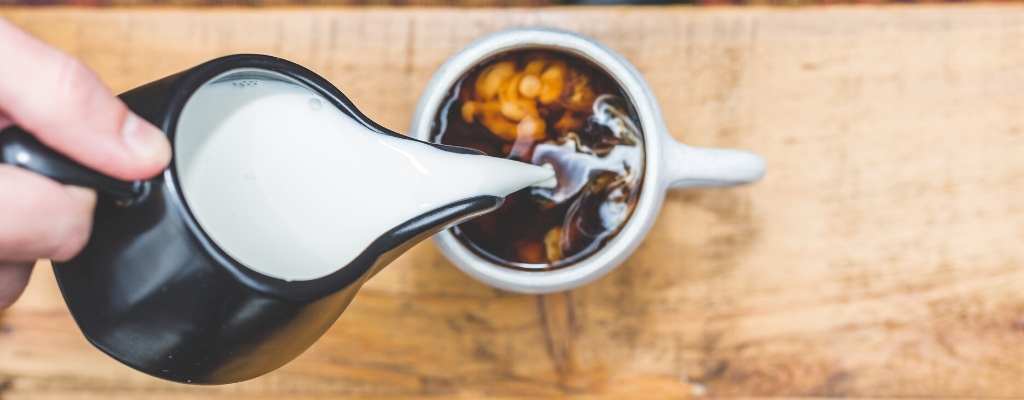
20	149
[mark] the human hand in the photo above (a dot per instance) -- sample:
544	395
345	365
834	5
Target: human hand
64	104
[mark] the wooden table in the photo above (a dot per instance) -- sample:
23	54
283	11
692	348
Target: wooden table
882	255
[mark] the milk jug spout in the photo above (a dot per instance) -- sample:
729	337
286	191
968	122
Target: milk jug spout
476	184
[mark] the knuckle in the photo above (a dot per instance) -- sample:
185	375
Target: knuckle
74	80
88	108
73	234
70	71
41	218
13	279
69	243
18	239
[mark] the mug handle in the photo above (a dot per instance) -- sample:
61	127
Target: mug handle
21	149
689	166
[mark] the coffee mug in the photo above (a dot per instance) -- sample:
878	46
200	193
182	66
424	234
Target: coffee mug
669	164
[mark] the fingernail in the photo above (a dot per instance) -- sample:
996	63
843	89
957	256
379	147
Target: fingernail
145	140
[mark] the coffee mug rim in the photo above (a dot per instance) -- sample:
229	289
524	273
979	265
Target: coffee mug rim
652	190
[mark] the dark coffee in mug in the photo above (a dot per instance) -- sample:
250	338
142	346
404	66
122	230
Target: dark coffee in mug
552	108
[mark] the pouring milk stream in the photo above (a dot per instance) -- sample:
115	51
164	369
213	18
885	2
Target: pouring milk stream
294	188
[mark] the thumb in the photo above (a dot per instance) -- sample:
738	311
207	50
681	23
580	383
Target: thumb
65	105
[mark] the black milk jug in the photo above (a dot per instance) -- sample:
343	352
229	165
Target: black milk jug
154	291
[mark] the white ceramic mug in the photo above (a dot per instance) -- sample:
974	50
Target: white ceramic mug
668	163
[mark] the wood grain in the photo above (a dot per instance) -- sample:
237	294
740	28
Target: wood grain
881	256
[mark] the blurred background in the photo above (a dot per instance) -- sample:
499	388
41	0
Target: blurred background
460	3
